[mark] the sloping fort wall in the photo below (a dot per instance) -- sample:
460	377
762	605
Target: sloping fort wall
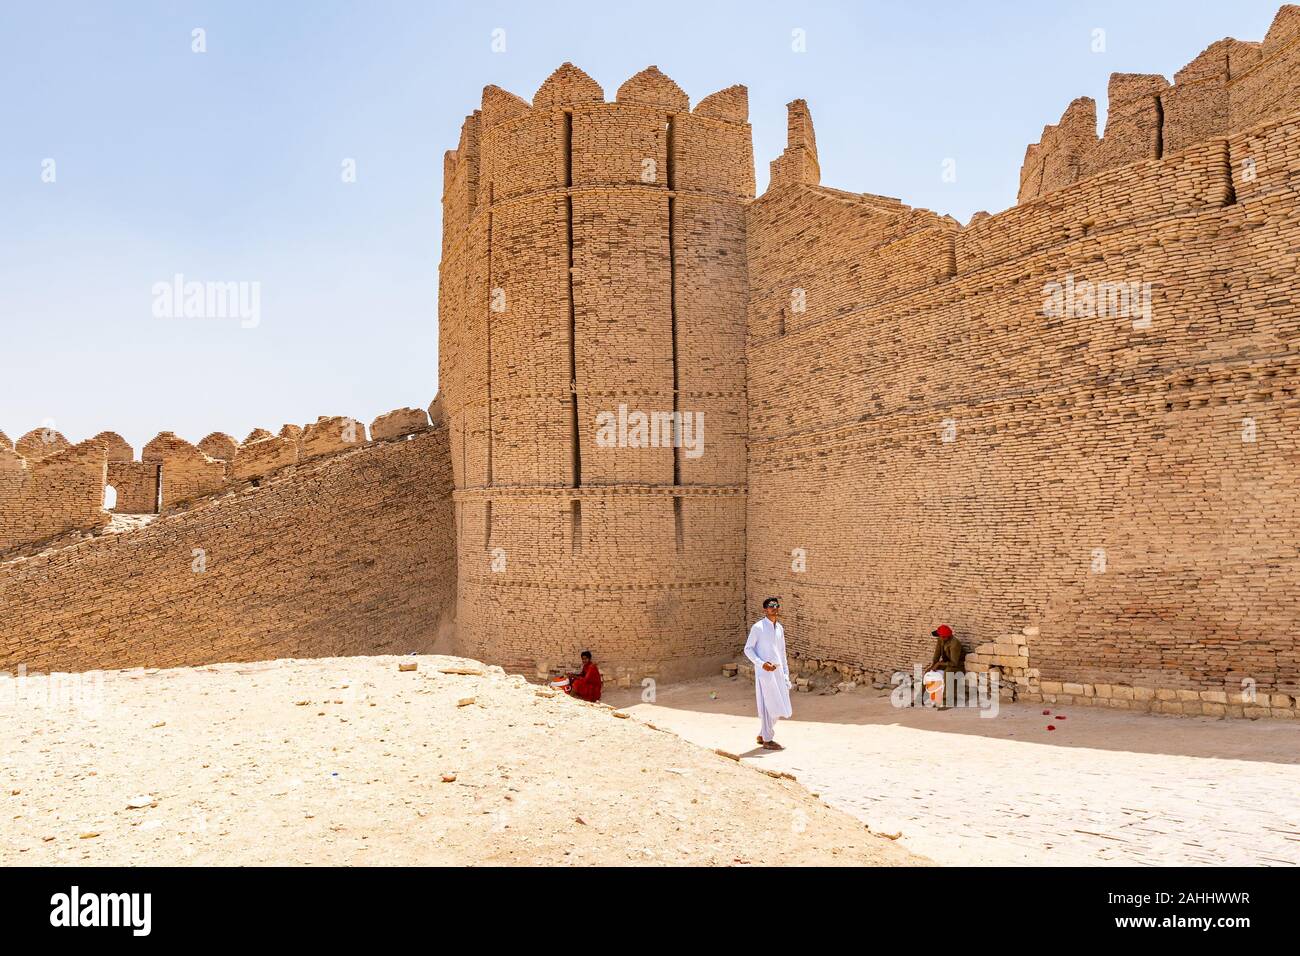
315	562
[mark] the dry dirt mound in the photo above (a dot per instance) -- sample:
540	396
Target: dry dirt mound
351	761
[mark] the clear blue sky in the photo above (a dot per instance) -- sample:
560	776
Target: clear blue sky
226	165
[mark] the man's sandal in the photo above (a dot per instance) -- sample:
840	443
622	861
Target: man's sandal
772	745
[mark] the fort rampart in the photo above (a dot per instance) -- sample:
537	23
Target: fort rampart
1071	430
312	561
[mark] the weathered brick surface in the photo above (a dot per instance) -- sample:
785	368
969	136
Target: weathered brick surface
262	456
315	562
399	422
45	497
187	473
1229	87
328	435
593	258
1129	491
136	484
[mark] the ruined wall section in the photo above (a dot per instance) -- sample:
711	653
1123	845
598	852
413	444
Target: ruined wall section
36	507
798	164
1135	125
185	472
49	496
1059	157
1267	83
928	448
1229	87
348	554
597	268
137	484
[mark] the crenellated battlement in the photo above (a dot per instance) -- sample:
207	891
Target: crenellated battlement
1229	87
1063	415
594	262
49	487
511	147
45	496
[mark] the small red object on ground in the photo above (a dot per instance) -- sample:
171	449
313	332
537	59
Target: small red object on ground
1051	726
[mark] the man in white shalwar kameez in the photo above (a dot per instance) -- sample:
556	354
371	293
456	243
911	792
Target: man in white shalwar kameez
766	650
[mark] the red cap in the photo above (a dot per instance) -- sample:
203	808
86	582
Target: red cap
943	630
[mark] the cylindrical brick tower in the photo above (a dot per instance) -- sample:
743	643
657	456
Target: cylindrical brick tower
592	370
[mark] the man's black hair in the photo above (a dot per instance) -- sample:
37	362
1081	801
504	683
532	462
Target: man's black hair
585	654
770	601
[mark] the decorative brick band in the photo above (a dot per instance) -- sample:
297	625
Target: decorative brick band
600	491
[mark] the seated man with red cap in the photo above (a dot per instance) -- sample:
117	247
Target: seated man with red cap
948	653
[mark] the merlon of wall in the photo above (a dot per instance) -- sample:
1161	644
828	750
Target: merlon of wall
48	496
730	105
41	443
798	164
399	422
566	86
219	446
115	447
329	434
262	456
187	473
651	88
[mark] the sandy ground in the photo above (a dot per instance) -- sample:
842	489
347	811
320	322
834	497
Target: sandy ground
345	760
1104	787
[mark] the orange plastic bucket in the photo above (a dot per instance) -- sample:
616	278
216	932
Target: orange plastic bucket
934	681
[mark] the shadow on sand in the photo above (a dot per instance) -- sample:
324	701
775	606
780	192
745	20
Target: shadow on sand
1268	741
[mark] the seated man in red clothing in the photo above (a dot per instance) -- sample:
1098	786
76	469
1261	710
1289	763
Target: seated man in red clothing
586	685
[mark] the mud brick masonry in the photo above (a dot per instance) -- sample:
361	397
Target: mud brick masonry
1071	429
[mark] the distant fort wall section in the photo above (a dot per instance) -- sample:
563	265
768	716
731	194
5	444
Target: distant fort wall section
347	553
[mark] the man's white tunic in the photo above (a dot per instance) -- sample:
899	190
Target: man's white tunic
771	688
